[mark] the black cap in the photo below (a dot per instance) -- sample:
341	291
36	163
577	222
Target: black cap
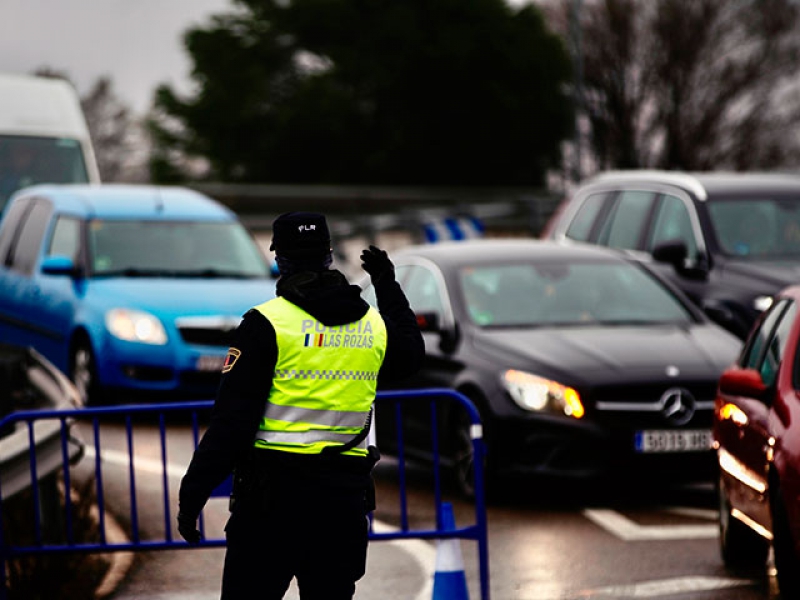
300	235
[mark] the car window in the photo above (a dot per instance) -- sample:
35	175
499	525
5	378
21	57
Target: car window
588	293
368	293
173	248
582	224
10	226
673	222
29	242
777	346
759	227
757	345
66	239
422	290
626	225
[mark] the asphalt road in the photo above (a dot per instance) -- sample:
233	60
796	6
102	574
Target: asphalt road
599	542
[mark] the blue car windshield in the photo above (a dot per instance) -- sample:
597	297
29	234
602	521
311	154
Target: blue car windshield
173	249
559	293
757	227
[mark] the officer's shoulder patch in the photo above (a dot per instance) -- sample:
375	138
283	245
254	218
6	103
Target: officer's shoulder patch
230	359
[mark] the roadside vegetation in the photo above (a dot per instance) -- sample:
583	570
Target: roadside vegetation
73	575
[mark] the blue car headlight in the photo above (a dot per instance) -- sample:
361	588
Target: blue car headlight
135	326
537	394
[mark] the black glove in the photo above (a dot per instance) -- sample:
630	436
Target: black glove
376	262
187	527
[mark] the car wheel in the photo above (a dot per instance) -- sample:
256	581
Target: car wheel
741	547
463	454
787	563
83	372
463	457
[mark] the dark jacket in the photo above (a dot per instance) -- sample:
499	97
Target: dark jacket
240	402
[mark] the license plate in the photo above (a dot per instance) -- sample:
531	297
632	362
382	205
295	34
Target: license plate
210	363
668	440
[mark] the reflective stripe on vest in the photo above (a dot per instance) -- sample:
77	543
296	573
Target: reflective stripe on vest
324	382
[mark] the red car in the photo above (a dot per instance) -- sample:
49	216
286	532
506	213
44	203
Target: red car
756	433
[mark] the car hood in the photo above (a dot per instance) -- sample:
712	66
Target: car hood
603	354
779	273
179	297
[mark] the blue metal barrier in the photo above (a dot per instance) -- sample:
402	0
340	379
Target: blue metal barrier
92	417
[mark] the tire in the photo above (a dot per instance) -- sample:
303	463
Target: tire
787	562
463	457
463	454
742	548
83	372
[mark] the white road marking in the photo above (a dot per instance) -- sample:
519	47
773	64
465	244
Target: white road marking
148	465
699	513
667	587
628	530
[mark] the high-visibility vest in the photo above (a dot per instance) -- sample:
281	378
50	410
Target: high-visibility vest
325	380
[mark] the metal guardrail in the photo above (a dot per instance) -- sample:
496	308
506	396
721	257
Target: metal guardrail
366	210
93	416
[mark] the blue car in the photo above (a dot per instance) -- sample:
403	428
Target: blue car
133	291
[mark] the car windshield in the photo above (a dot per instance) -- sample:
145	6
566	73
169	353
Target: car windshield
26	160
173	249
757	227
558	293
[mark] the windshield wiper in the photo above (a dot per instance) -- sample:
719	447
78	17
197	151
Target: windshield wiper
177	273
215	274
135	272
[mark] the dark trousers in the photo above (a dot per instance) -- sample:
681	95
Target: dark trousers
317	536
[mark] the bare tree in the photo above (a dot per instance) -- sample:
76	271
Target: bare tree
690	84
120	142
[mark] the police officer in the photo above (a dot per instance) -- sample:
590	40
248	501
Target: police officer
291	418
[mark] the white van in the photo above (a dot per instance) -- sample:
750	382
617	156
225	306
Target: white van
43	135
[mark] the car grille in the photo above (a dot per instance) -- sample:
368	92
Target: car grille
207	331
642	405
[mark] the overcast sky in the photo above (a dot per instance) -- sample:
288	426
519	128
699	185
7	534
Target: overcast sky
135	42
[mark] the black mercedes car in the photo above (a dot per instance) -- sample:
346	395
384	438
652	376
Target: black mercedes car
581	362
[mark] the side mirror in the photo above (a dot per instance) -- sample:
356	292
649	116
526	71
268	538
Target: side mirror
672	252
676	253
59	265
428	321
448	338
742	382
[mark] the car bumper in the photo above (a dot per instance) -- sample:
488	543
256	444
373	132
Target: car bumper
158	372
586	450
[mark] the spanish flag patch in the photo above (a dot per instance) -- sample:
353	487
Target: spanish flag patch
230	359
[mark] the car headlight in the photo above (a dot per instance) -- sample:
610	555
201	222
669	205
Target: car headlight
135	326
535	393
762	303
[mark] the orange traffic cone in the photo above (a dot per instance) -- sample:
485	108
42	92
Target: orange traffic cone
449	580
